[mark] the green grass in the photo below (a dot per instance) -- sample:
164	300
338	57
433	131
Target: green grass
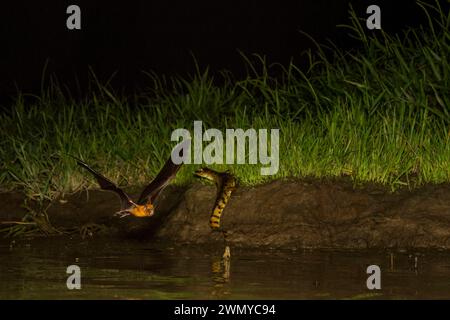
380	114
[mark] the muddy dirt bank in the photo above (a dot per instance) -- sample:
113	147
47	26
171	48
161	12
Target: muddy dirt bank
291	214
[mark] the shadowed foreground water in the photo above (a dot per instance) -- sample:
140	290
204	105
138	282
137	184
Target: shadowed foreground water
112	269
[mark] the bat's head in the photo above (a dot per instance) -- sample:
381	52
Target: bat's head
142	211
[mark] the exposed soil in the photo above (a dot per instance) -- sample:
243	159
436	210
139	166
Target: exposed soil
291	214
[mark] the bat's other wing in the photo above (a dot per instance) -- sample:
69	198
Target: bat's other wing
167	173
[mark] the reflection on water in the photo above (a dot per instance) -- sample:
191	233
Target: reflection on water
138	270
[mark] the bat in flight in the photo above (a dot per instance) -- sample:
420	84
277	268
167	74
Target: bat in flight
145	206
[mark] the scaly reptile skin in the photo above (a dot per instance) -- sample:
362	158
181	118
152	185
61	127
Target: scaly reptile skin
226	183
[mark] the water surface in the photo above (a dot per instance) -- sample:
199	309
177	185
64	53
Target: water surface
113	269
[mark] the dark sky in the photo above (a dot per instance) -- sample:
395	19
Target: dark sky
135	35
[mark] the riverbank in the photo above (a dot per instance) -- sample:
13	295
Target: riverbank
280	214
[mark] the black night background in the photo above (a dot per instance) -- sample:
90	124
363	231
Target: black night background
126	39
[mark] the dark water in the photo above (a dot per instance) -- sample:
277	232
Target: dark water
135	270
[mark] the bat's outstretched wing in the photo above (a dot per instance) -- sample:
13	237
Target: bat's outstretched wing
107	184
167	173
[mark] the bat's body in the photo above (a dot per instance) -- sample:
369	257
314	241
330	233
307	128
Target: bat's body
145	206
